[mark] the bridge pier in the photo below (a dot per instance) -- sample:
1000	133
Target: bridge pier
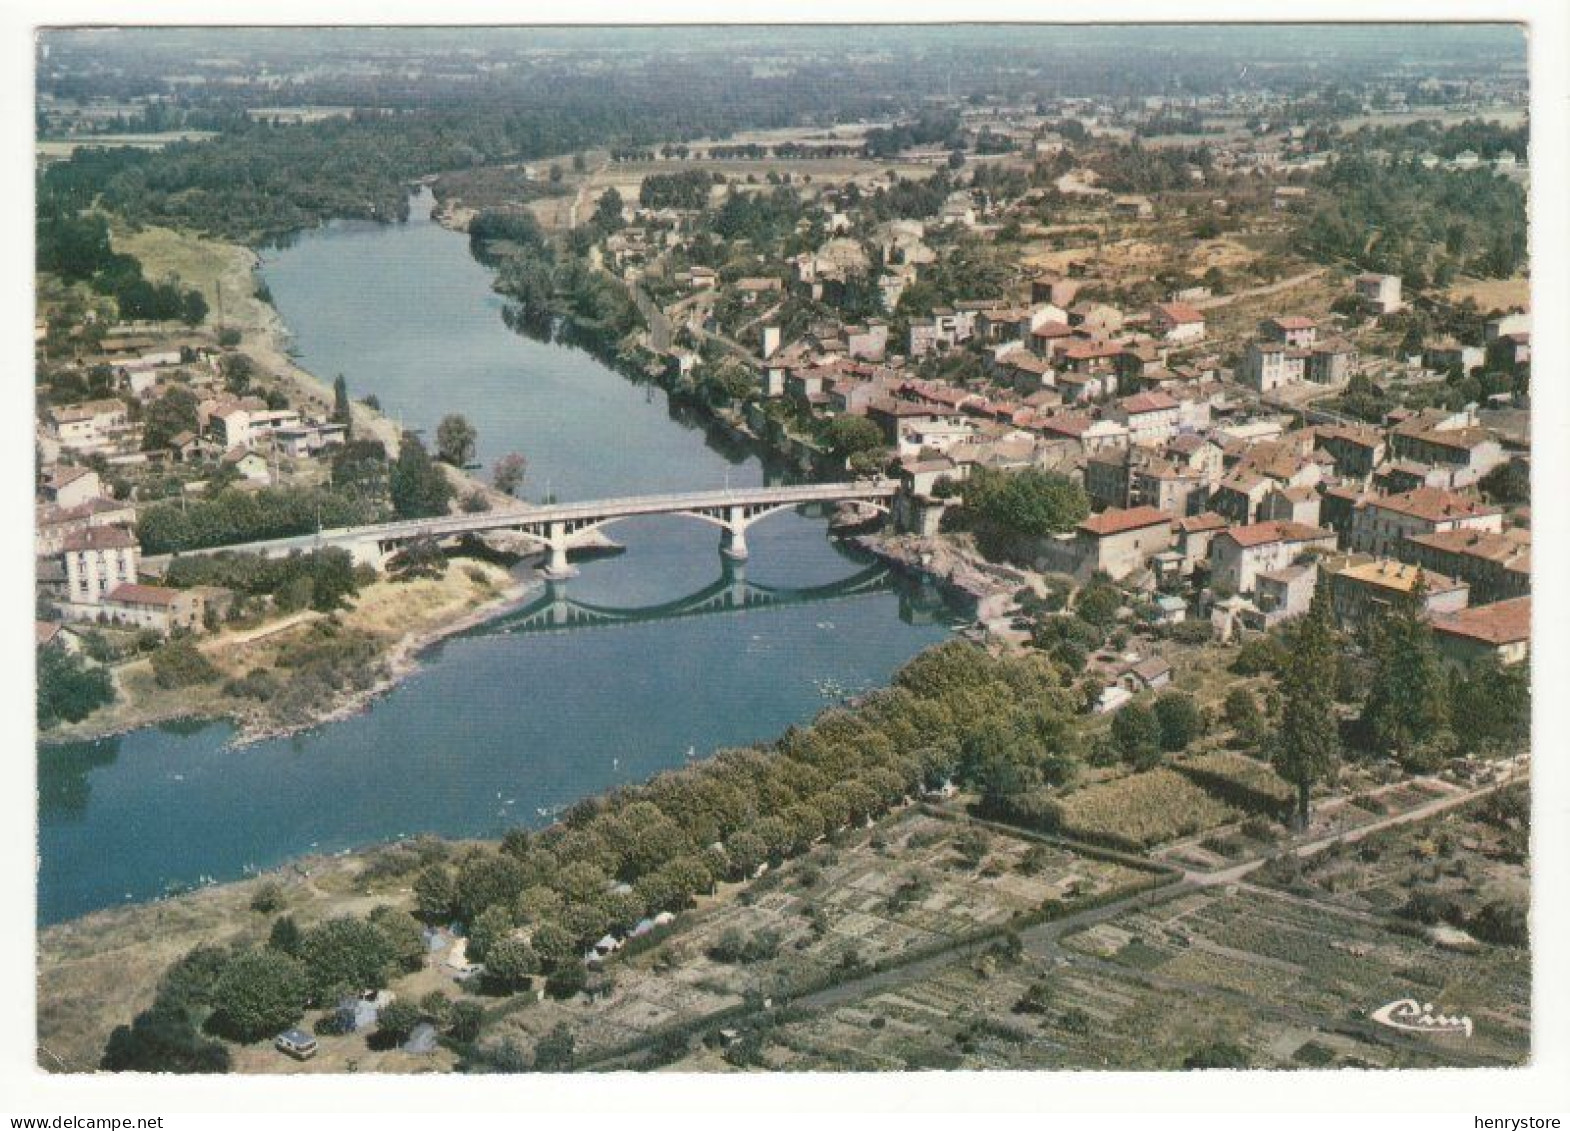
557	567
733	542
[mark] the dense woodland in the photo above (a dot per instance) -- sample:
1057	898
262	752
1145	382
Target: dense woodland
1426	225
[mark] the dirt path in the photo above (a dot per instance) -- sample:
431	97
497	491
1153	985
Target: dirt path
1263	289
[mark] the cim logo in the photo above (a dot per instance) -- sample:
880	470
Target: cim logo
1409	1016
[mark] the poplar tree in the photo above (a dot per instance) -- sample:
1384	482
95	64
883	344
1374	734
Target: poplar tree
1308	746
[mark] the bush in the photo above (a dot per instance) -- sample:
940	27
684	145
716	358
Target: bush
268	897
1503	922
734	947
180	664
1263	655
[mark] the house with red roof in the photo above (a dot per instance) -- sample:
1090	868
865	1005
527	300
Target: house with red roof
1502	631
1382	524
1177	322
1240	554
1151	418
1293	330
1117	542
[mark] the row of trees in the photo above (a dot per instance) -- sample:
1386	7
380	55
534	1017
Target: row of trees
534	904
233	516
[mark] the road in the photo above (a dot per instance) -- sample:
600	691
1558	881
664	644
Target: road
1256	292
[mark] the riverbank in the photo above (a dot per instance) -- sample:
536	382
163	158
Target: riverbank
986	590
228	272
398	619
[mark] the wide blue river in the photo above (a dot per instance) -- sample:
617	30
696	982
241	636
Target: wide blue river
673	657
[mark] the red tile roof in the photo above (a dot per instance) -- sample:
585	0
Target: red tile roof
1198	523
1117	521
1147	402
130	594
1179	312
99	538
1504	622
1261	533
1432	504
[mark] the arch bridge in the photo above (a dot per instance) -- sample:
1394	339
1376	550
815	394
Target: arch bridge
560	527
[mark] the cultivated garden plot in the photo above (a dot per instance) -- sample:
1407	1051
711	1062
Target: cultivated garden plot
913	882
1322	964
1033	1013
1464	870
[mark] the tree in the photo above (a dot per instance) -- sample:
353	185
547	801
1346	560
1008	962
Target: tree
419	489
508	472
167	417
1509	483
180	663
509	962
1030	504
1408	702
285	935
404	935
435	894
1137	733
487	929
193	308
345	953
162	1039
486	880
608	211
342	413
396	1022
260	993
554	946
1308	744
467	1016
1493	707
1180	720
69	690
359	468
455	440
850	435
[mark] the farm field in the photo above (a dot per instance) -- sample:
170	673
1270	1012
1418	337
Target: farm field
912	883
1326	965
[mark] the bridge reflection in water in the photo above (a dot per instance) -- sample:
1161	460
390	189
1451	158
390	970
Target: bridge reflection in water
555	610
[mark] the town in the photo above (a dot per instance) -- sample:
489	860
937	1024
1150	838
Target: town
1209	411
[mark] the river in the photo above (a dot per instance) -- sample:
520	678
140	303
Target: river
673	656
